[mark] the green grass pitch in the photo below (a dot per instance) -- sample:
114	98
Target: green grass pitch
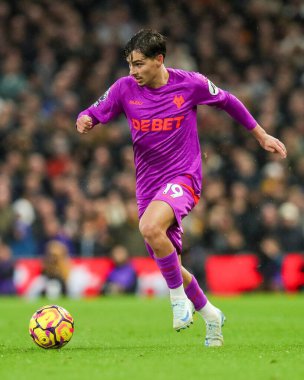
132	338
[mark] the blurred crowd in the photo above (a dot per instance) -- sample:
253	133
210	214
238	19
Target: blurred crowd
58	57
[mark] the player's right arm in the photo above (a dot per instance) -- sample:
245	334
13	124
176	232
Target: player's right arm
84	123
106	108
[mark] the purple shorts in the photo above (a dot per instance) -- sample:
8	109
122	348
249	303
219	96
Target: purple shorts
179	194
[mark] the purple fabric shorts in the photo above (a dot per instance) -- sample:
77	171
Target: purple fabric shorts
179	194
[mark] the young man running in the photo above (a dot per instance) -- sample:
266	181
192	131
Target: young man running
160	105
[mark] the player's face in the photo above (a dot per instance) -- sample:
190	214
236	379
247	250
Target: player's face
144	70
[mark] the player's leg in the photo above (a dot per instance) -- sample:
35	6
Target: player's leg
153	226
213	317
154	223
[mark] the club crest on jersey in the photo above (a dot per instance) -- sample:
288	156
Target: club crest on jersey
212	88
102	98
178	100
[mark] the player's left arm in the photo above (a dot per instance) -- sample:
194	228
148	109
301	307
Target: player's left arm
207	93
237	110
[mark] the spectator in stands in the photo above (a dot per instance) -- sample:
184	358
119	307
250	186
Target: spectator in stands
22	241
122	279
12	80
271	257
52	230
266	223
7	215
94	239
56	268
290	233
56	263
7	286
127	233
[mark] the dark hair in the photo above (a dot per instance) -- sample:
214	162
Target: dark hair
147	41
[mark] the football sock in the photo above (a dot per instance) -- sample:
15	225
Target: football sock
209	312
170	269
196	295
177	293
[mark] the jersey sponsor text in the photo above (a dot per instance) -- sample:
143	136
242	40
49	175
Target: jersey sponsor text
156	125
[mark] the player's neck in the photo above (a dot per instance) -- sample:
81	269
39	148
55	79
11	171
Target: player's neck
161	79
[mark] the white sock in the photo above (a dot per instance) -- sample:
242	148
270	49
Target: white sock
177	293
209	312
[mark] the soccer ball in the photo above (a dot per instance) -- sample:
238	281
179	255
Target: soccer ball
51	326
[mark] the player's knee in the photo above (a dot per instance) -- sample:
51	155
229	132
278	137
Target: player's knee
150	231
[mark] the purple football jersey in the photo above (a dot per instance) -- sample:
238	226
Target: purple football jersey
163	125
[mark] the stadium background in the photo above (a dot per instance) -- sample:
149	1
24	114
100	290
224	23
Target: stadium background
59	57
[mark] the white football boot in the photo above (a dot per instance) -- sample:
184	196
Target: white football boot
214	336
182	313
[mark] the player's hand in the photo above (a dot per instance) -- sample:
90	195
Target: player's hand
84	124
268	142
273	145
